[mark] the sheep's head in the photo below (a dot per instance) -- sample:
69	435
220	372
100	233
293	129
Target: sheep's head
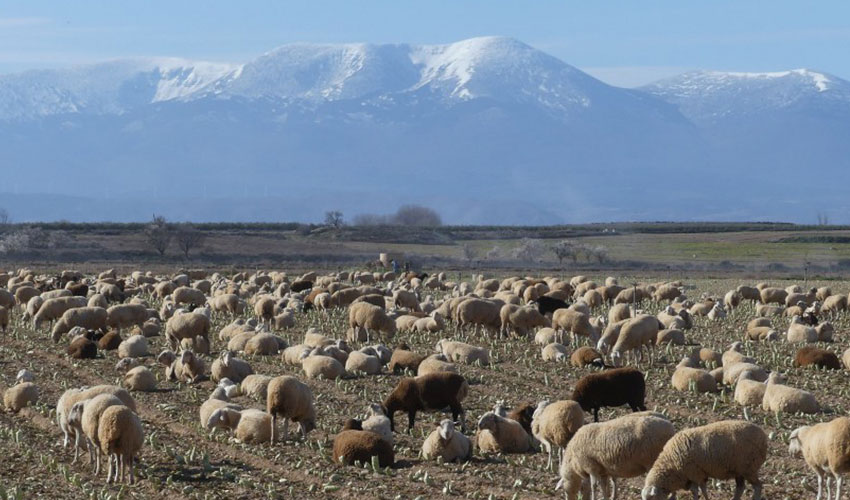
75	414
24	376
447	428
736	346
226	357
487	421
656	493
439	347
166	357
187	356
775	378
541	406
795	447
220	394
125	364
224	418
376	410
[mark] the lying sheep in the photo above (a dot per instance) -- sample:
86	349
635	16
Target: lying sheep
446	443
360	362
140	379
824	447
255	386
134	347
813	356
404	359
360	446
614	387
554	352
292	400
785	399
24	393
554	424
263	344
687	378
229	366
378	423
621	448
584	356
502	435
798	332
317	365
722	450
430	392
459	352
250	426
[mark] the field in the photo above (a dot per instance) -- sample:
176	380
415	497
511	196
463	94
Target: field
181	459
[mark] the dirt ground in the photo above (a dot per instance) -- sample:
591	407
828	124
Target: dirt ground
182	460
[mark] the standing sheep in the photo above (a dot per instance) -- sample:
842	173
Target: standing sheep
430	392
250	425
369	317
291	399
186	326
121	437
825	448
614	387
723	450
554	424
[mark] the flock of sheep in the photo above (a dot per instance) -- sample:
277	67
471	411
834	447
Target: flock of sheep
127	314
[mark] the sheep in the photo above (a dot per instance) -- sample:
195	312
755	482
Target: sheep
749	392
614	387
82	348
90	318
361	446
430	392
317	365
289	398
834	304
502	435
186	368
406	299
666	292
480	313
782	398
734	355
768	310
121	437
404	359
293	355
255	386
251	426
459	352
88	412
32	306
126	315
187	295
262	344
686	378
619	312
369	317
821	358
134	347
140	379
72	396
637	333
576	323
548	305
53	309
554	424
825	331
798	332
624	447
434	364
723	450
228	366
186	326
447	443
520	319
24	393
771	295
732	299
127	364
717	312
731	373
585	355
378	423
554	352
824	447
361	362
547	335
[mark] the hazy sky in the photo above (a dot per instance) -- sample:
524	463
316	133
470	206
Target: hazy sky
622	42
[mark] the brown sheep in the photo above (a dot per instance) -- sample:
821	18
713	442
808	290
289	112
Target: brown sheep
813	356
360	446
431	392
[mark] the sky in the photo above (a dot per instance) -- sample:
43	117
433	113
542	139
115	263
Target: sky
624	43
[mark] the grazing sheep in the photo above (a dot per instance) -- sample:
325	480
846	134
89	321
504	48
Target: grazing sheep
666	292
722	450
459	352
404	359
20	395
90	318
614	387
554	352
576	323
360	362
317	365
520	320
834	304
771	295
88	413
785	399
584	356
121	437
284	320
554	424
228	366
624	447
670	336
360	446
126	315
369	317
186	326
502	435
548	305
290	399
251	426
480	313
430	392
812	356
686	378
53	309
255	386
446	442
547	335
769	311
637	333
798	332
140	379
187	295
434	364
826	448
134	347
619	312
72	396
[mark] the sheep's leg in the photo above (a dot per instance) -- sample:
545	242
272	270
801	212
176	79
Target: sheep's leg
97	462
132	473
285	429
596	414
694	492
549	452
109	472
67	439
605	485
828	485
274	421
819	475
411	419
613	488
77	445
593	482
704	488
838	480
739	488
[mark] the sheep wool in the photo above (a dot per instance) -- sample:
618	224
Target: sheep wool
785	399
501	435
446	442
554	424
140	379
826	448
291	399
121	438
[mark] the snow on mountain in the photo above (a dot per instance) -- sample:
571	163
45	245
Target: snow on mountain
709	96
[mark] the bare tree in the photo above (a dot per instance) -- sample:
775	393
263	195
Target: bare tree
529	250
158	234
565	249
493	253
600	253
416	215
188	238
333	219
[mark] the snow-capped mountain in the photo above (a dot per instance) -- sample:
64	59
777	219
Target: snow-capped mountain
488	130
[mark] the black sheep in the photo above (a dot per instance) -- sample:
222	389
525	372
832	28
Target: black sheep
616	387
546	304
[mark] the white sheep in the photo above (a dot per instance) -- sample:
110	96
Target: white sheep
317	365
798	332
723	450
376	421
121	437
749	392
251	426
88	412
782	398
637	333
229	366
290	399
554	424
687	378
255	386
501	435
554	352
24	393
460	352
140	379
620	448
435	363
360	362
134	347
825	448
446	442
